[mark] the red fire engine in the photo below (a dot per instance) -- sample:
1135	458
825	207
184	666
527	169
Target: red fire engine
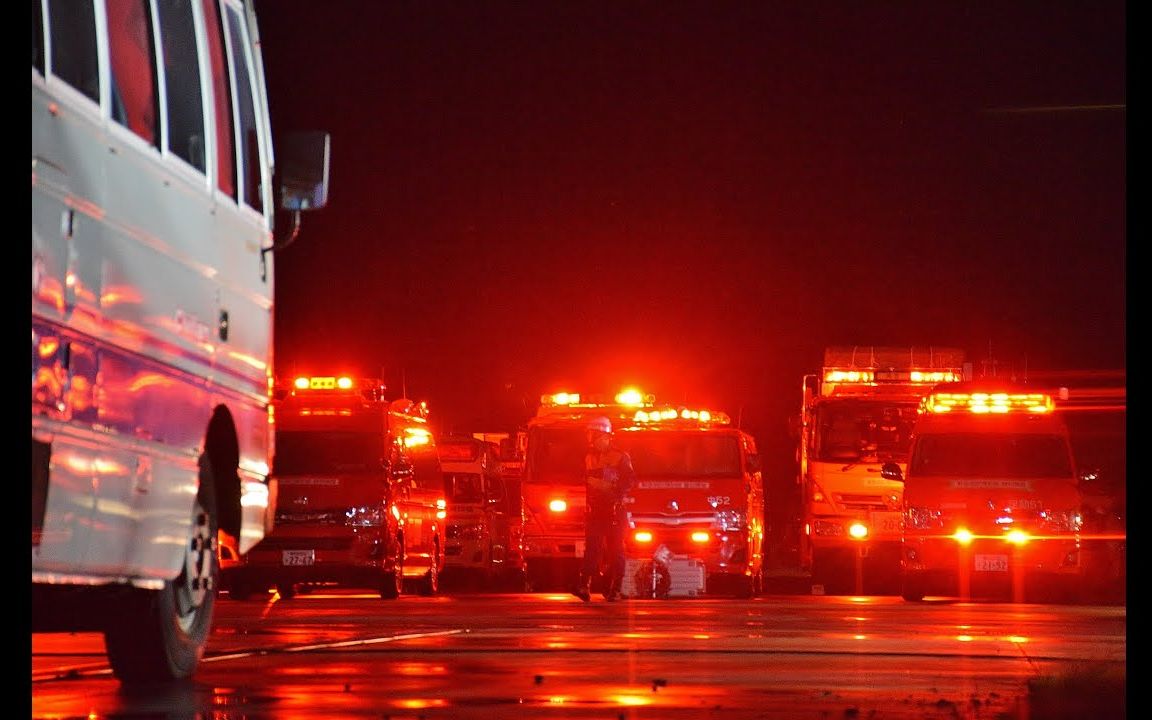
697	507
992	499
361	494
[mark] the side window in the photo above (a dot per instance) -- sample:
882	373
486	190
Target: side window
247	134
221	99
37	37
73	30
184	95
135	103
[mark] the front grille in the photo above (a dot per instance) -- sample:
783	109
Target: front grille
858	501
274	543
314	517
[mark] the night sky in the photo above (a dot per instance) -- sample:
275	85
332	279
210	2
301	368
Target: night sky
697	197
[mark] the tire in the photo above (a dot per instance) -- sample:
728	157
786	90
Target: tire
160	635
286	590
392	583
240	591
430	583
516	582
745	587
911	589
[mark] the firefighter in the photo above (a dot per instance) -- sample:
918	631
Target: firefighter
608	477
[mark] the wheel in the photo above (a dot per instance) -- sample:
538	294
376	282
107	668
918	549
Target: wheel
745	587
516	581
392	583
240	590
160	635
430	583
911	589
287	590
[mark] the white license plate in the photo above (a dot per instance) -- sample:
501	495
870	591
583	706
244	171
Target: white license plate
299	557
887	523
992	563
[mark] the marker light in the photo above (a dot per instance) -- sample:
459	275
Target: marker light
701	537
642	536
630	396
558	505
849	376
560	398
963	536
858	530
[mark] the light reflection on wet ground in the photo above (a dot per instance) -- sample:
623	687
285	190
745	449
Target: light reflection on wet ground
543	657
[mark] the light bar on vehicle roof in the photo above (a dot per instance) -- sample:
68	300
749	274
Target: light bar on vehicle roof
682	415
893	376
989	403
629	396
323	382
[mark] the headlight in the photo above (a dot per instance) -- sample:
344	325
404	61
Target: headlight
827	528
365	516
466	532
923	518
730	520
1062	520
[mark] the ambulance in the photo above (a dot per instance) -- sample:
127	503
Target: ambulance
992	501
361	499
697	507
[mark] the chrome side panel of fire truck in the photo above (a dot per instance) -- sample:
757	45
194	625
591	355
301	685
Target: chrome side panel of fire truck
696	509
857	415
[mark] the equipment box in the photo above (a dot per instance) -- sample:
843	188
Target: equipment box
678	576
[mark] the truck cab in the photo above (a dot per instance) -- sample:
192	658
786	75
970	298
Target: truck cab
697	507
361	495
992	498
483	538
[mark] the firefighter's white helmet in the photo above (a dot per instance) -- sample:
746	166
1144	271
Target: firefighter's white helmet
599	423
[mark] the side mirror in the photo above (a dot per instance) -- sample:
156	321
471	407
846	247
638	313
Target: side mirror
303	159
891	471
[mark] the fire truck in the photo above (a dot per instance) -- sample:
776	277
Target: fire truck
484	545
361	494
858	414
992	499
553	481
696	508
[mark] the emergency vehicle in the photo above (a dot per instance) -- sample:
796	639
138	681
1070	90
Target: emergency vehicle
858	414
992	502
361	494
696	508
484	535
553	481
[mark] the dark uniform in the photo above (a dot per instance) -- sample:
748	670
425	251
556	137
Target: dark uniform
608	478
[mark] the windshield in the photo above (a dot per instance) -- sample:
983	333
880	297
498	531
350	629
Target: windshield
465	487
682	454
328	452
864	431
992	455
556	455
